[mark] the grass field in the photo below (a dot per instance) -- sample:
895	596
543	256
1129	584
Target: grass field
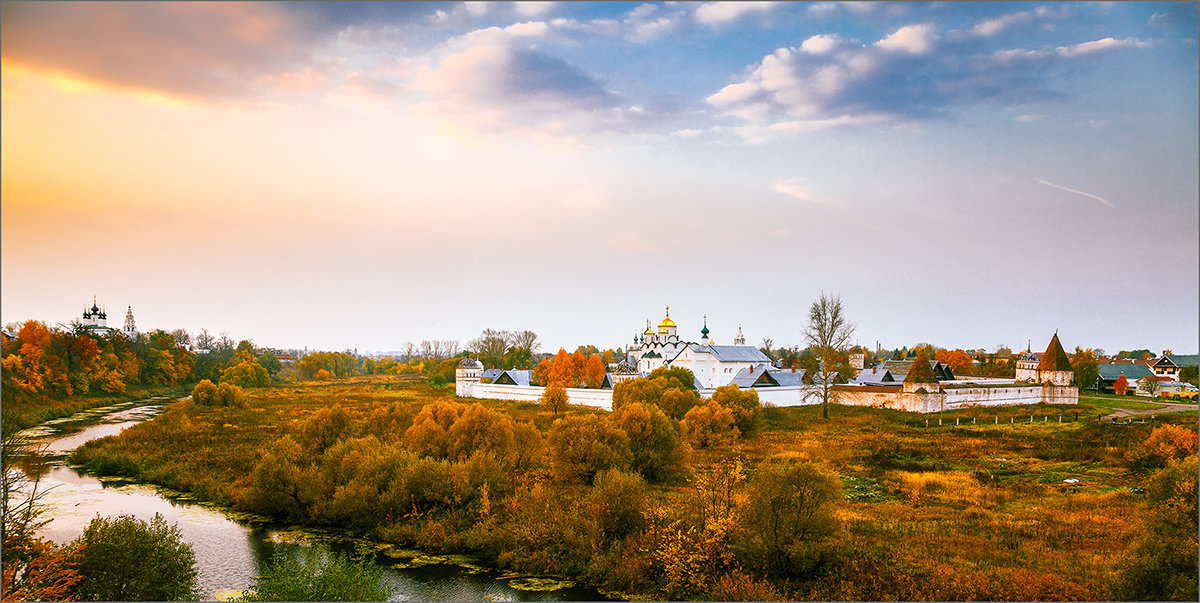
1012	510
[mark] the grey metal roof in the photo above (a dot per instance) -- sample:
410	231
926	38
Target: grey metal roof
736	353
874	375
751	376
519	377
491	373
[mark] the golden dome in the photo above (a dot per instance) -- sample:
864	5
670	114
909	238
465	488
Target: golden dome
666	322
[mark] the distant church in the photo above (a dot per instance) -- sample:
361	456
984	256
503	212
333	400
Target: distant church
95	322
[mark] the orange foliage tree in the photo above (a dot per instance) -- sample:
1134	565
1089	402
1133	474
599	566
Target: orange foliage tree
1121	385
958	361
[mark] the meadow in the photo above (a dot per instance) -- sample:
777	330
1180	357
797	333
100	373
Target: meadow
991	505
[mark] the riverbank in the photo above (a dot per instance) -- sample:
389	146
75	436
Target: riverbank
25	410
997	509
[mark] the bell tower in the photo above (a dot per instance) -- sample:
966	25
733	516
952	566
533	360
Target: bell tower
130	329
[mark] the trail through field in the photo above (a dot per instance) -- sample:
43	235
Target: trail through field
1119	413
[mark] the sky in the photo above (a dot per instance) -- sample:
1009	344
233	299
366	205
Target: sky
355	176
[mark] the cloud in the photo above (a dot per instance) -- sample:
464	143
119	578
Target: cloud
533	9
645	23
794	188
1102	200
189	50
913	39
720	13
910	75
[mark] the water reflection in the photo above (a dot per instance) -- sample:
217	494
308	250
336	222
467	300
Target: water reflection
228	551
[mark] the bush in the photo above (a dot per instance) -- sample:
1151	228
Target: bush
746	409
127	559
340	578
324	428
657	452
709	426
204	393
1161	564
1165	444
247	373
617	501
583	445
229	395
788	516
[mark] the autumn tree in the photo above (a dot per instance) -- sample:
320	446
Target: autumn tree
829	332
1188	374
247	373
959	362
594	371
1121	386
555	398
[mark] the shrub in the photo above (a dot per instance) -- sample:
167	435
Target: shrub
583	445
708	426
1161	564
657	452
480	429
746	409
324	428
229	395
323	375
617	501
340	578
127	559
247	373
204	393
1165	444
788	516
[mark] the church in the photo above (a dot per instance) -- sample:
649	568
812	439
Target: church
95	322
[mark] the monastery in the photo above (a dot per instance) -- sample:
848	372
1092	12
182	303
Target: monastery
895	384
95	321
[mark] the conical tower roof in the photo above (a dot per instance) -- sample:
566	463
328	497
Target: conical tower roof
921	372
1055	358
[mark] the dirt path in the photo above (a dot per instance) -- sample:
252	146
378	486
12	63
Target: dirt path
1167	407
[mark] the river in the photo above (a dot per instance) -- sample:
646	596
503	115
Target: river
230	546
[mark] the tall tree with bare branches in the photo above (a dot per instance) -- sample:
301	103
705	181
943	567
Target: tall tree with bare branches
829	333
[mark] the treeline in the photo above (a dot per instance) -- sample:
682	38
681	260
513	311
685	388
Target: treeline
571	370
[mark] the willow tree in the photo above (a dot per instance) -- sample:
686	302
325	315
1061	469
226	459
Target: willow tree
829	333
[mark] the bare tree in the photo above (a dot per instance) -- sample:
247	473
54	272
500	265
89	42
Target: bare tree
205	340
410	349
490	346
525	339
768	347
829	332
426	348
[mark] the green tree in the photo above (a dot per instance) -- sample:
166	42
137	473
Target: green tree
617	501
127	559
1188	374
788	517
683	378
268	360
248	373
323	575
229	395
829	332
1086	367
